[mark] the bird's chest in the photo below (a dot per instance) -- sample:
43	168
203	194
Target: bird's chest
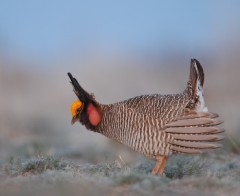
141	135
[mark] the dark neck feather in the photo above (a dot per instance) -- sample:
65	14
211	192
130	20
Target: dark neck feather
102	108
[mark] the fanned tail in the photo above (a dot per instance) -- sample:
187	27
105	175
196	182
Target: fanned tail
195	85
196	76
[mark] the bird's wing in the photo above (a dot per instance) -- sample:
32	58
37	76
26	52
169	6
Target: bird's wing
194	131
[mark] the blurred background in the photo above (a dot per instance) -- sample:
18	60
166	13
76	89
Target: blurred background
117	50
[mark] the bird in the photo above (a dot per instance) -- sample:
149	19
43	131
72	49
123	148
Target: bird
155	125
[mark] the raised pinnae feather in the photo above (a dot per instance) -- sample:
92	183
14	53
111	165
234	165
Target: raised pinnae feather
79	91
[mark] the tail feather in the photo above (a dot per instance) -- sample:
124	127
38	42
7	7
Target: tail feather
196	72
196	80
195	130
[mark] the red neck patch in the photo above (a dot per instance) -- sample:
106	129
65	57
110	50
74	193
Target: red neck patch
93	115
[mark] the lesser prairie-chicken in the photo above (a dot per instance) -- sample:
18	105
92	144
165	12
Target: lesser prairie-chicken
154	125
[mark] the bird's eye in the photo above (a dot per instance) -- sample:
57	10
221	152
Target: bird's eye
79	110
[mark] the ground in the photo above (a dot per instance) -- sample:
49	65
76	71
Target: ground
216	173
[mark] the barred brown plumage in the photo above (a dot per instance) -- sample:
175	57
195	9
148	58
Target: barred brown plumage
155	125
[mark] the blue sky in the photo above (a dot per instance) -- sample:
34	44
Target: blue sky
51	29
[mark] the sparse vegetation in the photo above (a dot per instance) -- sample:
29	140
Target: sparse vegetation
36	165
197	174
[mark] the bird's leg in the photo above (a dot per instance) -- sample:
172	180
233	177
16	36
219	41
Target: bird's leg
158	165
163	165
156	168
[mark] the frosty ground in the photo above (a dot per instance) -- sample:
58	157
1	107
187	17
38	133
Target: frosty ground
215	173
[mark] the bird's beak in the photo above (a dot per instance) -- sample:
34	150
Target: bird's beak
74	119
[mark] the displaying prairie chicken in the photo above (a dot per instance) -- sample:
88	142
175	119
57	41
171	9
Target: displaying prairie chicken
155	125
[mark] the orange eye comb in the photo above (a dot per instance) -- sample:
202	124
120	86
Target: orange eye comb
75	105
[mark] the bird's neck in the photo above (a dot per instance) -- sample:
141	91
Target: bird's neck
96	121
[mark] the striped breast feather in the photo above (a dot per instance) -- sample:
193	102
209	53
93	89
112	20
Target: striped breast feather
129	126
195	132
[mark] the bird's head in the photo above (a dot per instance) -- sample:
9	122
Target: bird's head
85	110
